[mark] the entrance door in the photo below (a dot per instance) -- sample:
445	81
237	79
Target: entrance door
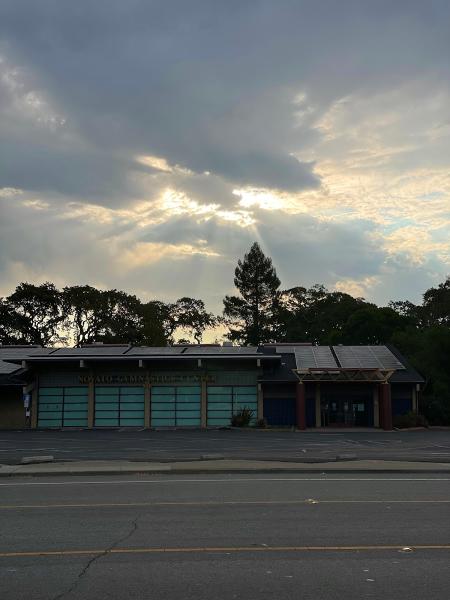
345	412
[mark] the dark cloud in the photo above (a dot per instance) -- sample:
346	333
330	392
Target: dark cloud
229	94
206	85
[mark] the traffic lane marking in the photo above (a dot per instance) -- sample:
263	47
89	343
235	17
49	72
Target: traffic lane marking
309	501
225	549
215	481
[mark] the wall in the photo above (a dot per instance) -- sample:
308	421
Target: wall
12	412
160	376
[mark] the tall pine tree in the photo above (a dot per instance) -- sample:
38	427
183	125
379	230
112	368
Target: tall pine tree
252	317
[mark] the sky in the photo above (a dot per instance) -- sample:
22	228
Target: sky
144	145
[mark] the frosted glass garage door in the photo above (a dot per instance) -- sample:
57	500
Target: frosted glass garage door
63	407
119	406
225	401
176	406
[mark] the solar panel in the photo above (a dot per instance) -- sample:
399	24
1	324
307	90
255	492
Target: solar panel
155	350
367	357
232	350
387	358
92	351
314	357
14	352
285	349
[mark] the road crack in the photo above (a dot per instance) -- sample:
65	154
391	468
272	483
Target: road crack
95	558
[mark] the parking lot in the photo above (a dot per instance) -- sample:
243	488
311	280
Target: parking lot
147	445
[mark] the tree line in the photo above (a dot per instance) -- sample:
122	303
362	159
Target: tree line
261	312
82	314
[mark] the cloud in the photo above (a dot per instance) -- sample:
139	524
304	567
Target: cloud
146	146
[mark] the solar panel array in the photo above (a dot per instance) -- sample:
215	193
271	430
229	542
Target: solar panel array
284	349
232	350
367	357
314	357
16	353
99	350
155	351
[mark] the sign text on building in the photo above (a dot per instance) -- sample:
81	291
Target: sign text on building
138	379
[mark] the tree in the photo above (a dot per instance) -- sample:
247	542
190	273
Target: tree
373	325
39	311
87	312
124	320
436	305
157	324
253	317
109	316
428	349
191	316
405	308
316	315
13	326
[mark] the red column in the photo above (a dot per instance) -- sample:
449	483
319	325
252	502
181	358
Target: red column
300	406
385	406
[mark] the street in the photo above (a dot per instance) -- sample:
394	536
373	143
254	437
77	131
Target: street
201	537
145	445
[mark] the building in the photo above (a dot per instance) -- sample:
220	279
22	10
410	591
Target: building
300	385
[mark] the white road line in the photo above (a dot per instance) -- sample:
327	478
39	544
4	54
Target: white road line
178	481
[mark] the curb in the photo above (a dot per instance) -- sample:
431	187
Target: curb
242	470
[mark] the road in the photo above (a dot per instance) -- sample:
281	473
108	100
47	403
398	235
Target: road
226	537
310	446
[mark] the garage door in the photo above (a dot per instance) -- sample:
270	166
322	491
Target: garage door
225	401
176	406
119	406
63	407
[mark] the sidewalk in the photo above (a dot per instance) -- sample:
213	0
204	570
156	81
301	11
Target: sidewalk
219	467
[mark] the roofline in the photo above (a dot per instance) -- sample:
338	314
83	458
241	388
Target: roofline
138	357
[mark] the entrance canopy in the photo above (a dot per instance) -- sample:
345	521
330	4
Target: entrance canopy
344	375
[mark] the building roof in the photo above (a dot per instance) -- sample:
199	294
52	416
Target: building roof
281	360
116	352
340	358
9	371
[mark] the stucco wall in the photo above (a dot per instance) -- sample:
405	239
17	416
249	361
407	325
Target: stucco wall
12	412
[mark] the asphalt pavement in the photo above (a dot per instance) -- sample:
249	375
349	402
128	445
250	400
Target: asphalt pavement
313	537
187	445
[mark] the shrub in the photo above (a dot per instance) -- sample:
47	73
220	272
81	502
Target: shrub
409	419
242	418
437	412
261	423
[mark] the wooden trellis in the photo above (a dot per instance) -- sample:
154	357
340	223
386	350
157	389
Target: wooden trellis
344	375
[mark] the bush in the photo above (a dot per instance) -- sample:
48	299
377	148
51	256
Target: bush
410	419
261	423
242	418
437	412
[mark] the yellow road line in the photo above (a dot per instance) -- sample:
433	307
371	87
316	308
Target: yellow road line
217	503
222	549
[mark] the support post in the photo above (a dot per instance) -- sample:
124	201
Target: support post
91	399
415	404
34	405
318	407
260	410
204	405
386	406
147	402
300	406
376	406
